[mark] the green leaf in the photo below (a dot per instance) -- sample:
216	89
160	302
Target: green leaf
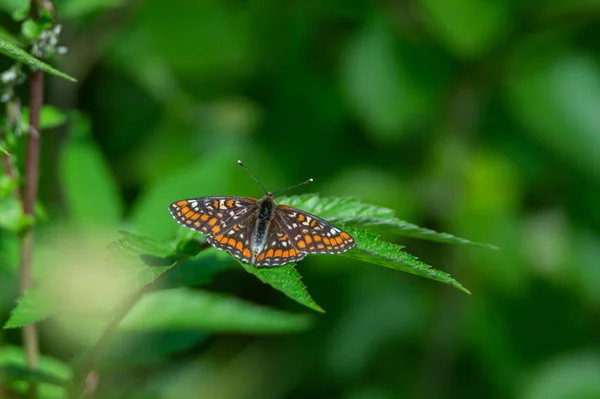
31	29
7	186
31	308
80	9
382	92
369	248
12	216
184	309
553	94
468	27
35	305
51	374
350	211
90	190
574	375
15	52
50	117
287	280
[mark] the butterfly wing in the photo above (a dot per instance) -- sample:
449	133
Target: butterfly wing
279	248
227	222
295	233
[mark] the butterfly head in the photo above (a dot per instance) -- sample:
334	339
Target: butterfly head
271	194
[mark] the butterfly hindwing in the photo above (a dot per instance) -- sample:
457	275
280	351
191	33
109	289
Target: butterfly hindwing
279	248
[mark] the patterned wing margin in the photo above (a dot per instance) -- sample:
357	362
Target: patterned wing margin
311	234
226	221
279	249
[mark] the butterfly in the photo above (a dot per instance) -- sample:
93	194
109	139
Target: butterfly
260	232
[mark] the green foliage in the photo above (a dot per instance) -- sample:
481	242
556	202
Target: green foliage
12	216
182	309
369	248
11	50
31	308
468	27
377	82
287	280
99	203
51	374
350	211
50	118
32	29
572	376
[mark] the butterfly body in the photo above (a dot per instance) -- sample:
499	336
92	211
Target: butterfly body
260	232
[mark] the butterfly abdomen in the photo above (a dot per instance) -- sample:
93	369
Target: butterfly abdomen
265	212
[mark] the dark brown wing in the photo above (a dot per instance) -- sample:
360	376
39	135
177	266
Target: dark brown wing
227	222
301	233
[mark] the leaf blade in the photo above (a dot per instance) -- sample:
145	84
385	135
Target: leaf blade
287	280
350	211
372	250
11	50
184	309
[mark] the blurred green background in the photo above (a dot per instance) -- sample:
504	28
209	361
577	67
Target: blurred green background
474	117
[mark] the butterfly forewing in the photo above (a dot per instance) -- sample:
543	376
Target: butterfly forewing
227	222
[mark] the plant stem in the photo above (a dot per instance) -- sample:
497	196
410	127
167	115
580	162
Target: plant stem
29	332
36	97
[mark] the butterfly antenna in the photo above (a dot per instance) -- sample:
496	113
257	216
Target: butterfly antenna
294	186
252	176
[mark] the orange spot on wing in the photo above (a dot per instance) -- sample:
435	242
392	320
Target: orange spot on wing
313	223
269	253
320	246
293	252
188	221
285	254
239	245
216	229
345	235
189	214
329	248
182	203
246	252
215	204
231	242
229	203
311	248
285	237
185	210
212	221
326	240
195	216
301	217
219	238
204	217
236	228
197	224
260	257
278	253
317	238
338	240
308	239
301	244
